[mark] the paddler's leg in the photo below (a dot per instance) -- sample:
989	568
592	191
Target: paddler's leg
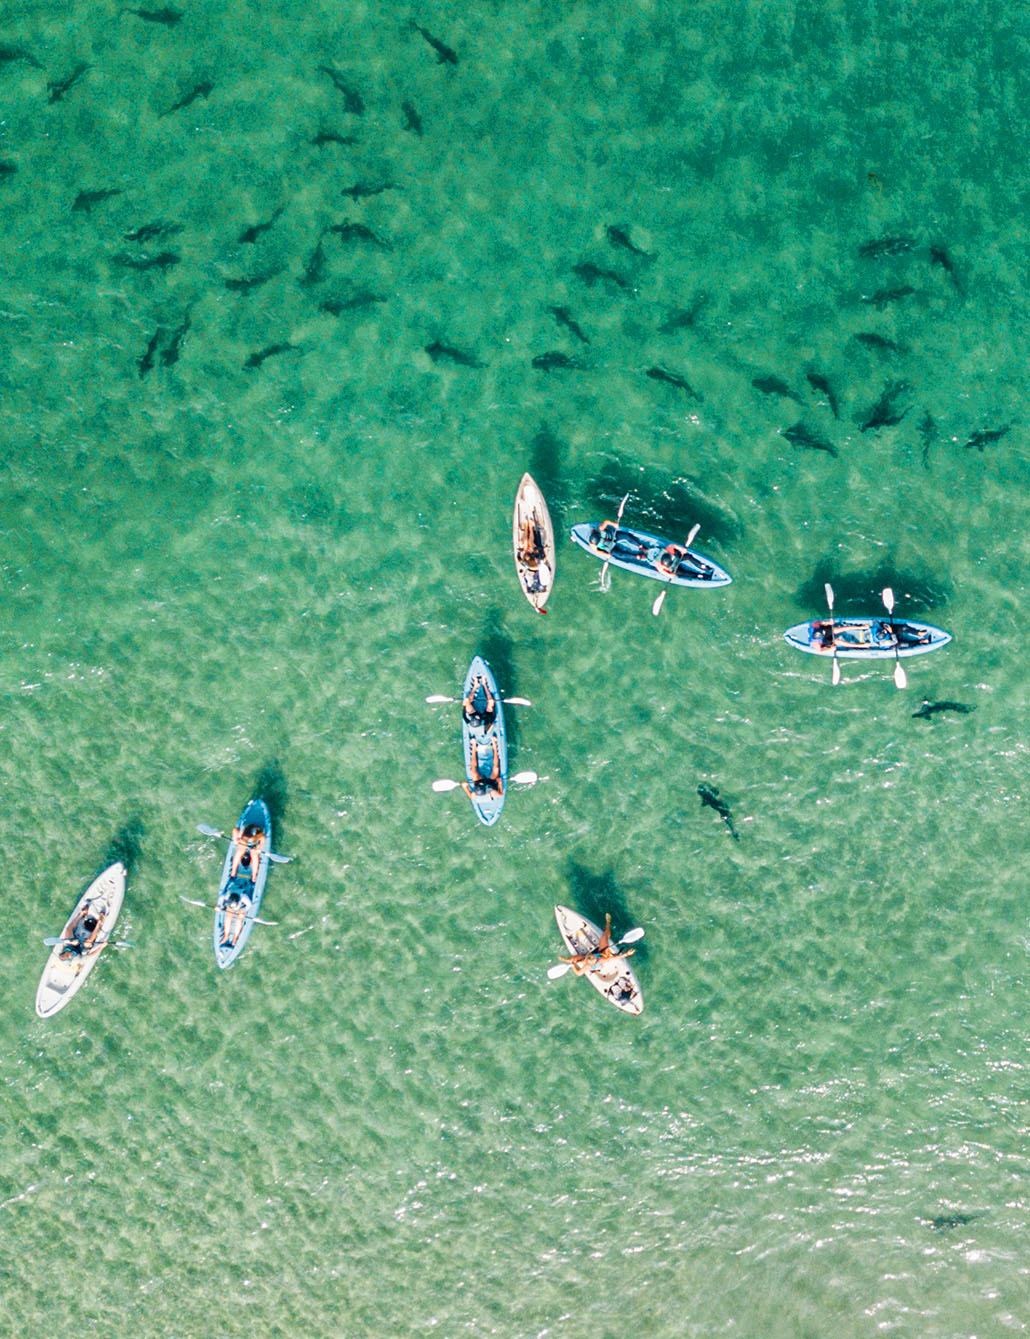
605	939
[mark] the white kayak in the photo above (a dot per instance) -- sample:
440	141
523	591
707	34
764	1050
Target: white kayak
533	543
613	977
67	967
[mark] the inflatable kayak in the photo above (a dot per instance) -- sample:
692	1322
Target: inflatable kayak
484	732
614	977
533	543
648	555
866	638
239	895
71	962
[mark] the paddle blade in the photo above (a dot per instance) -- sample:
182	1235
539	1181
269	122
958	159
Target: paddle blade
900	678
517	701
622	507
440	697
209	832
53	941
692	536
631	936
523	779
656	608
280	859
442	786
835	676
829	596
192	901
888	599
559	969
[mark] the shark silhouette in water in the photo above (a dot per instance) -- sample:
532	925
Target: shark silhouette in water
325	137
358	232
202	90
444	54
256	230
799	435
776	386
883	296
672	379
248	285
85	200
592	274
930	709
886	246
619	238
884	413
684	318
878	342
819	383
412	120
710	799
352	99
987	437
163	261
167	18
151	232
13	53
57	88
553	360
447	353
7	169
270	351
564	317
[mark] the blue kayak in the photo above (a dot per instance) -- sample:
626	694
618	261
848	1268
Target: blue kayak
648	555
866	638
239	896
485	732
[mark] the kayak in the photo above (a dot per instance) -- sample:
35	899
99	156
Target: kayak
488	807
651	556
614	978
63	977
866	638
533	536
249	891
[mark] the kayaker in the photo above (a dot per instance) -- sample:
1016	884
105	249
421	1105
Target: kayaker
82	934
669	559
479	720
604	537
235	914
822	633
248	851
604	952
481	785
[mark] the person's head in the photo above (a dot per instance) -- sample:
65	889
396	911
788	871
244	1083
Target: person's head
90	923
233	900
251	830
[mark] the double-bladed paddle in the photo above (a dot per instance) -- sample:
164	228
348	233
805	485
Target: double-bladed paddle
900	679
434	698
194	903
213	832
560	968
520	779
604	566
835	676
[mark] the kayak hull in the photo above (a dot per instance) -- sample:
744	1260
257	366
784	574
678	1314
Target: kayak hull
250	891
63	978
637	551
615	979
488	807
868	638
531	511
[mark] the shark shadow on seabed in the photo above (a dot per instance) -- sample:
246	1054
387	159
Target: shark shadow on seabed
271	787
593	895
660	504
497	649
126	845
860	593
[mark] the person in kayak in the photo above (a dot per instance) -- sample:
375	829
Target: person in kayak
248	851
604	952
482	785
82	934
471	714
235	913
533	556
604	537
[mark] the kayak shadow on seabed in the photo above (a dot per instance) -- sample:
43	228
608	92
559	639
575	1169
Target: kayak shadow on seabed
658	503
859	593
271	787
546	468
126	845
595	894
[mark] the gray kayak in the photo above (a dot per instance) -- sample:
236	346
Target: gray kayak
866	638
613	977
486	734
240	892
649	555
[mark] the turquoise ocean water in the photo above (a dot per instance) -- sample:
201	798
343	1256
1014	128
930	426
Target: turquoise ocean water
385	1120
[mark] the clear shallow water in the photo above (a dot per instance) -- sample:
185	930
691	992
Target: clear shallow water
384	1120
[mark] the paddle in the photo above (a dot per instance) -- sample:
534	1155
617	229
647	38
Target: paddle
194	903
560	968
835	676
520	779
508	701
656	608
604	565
900	680
54	940
213	832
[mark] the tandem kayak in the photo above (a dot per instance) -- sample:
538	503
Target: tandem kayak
614	977
533	543
649	555
866	638
239	895
70	963
485	734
